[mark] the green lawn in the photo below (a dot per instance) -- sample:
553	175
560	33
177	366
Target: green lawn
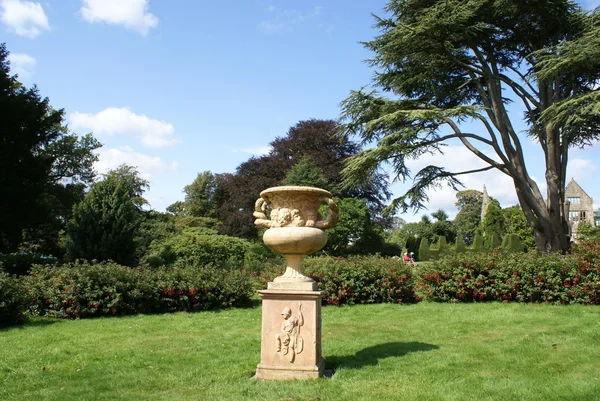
379	352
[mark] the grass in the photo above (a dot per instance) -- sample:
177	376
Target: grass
380	352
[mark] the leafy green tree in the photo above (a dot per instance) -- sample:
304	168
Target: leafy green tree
43	168
448	61
515	222
355	231
312	140
468	218
305	173
200	196
104	224
442	227
493	223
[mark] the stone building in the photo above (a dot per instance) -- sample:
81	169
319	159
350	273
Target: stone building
581	205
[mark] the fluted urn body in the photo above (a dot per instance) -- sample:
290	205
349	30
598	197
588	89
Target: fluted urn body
295	228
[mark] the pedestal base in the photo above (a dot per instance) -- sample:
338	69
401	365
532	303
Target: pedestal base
291	335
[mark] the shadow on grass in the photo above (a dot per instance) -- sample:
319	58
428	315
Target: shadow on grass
30	321
372	355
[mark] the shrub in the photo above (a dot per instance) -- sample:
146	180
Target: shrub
361	280
478	243
12	300
512	243
20	263
197	248
424	252
460	246
83	289
440	249
548	278
492	241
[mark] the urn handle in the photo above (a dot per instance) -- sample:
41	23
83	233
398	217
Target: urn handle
260	206
332	214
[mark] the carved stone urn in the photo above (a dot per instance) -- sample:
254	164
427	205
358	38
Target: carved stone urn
295	228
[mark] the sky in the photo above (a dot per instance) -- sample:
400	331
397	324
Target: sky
184	86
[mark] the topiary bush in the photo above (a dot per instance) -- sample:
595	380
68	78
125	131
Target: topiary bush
512	243
478	243
424	251
83	290
492	241
12	300
524	277
362	280
460	246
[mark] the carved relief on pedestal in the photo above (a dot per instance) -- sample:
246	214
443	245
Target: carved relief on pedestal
289	341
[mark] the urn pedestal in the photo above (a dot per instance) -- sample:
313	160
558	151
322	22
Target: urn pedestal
291	308
297	355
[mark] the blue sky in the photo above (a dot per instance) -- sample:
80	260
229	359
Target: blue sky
183	86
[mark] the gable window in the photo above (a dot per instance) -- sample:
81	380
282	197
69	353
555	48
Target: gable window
575	200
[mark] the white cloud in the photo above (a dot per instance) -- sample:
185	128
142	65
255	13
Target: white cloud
147	166
133	14
122	121
580	169
22	64
25	18
255	150
281	19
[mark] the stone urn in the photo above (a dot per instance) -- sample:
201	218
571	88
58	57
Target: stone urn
295	228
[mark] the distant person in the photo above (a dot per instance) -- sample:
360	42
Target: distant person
406	258
412	257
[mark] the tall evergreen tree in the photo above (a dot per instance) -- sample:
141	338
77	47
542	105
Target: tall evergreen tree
43	168
448	61
105	223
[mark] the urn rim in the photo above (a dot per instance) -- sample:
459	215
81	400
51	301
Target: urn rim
296	188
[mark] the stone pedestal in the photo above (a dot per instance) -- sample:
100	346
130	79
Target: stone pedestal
291	335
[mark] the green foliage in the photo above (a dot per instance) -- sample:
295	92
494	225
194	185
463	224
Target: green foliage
478	243
201	197
85	290
512	243
493	222
195	248
439	249
468	219
12	299
516	223
424	251
355	232
587	232
309	149
460	246
44	167
19	263
492	242
425	228
104	225
412	245
368	279
443	62
523	277
306	173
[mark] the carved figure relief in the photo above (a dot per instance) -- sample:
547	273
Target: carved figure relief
288	340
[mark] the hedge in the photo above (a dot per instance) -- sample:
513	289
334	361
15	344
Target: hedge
524	277
12	300
96	289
